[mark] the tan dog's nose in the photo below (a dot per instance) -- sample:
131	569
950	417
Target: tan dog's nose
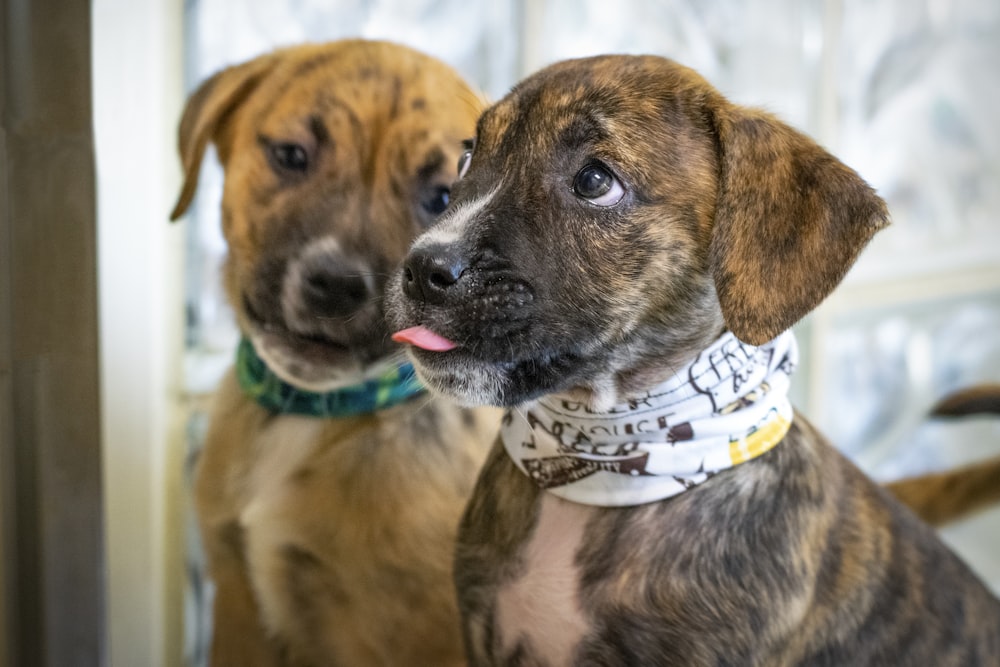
429	271
329	292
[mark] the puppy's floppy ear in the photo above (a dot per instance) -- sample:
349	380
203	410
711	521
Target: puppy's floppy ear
790	221
205	116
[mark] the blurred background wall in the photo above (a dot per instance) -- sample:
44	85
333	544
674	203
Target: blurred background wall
904	91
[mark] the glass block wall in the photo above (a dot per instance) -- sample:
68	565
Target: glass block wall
905	91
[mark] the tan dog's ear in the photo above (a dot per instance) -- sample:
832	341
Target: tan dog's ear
205	114
790	221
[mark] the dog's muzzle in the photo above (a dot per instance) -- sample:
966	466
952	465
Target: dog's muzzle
475	299
429	272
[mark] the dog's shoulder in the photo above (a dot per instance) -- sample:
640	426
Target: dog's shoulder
818	555
873	559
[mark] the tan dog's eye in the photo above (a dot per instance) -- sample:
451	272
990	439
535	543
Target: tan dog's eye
289	156
437	200
464	160
598	185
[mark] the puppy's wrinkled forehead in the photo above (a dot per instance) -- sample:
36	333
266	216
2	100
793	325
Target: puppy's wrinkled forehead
609	102
365	97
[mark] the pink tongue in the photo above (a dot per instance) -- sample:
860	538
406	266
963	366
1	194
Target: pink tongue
424	338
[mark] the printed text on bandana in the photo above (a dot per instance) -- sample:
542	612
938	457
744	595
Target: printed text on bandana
728	406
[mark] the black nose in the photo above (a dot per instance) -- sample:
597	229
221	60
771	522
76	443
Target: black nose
429	271
329	291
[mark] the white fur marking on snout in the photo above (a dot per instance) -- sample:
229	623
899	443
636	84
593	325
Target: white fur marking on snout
296	312
451	227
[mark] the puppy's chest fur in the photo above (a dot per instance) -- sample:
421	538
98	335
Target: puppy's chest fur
793	558
338	521
539	606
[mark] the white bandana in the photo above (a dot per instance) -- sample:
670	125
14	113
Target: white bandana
726	407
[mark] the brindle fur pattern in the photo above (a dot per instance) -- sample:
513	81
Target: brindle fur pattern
729	219
330	540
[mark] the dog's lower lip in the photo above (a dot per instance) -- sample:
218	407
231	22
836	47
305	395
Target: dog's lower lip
322	342
317	347
424	338
316	343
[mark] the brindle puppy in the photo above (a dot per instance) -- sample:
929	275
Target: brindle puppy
617	217
327	504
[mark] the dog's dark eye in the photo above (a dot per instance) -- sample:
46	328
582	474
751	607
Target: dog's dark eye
464	160
437	201
292	157
598	185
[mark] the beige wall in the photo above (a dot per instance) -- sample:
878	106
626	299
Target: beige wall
138	97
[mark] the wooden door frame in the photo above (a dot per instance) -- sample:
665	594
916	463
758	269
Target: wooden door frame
51	527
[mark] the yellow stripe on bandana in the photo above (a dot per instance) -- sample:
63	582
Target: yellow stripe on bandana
760	440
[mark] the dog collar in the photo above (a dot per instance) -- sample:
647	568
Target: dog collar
397	384
726	407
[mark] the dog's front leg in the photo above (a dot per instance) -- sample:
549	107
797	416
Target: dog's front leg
238	640
488	544
516	569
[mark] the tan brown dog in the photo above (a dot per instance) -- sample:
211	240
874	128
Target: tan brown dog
946	496
328	493
618	265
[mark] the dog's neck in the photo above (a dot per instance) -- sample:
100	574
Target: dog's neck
397	384
729	405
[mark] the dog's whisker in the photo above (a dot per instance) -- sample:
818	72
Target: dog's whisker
425	401
353	317
520	412
472	101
